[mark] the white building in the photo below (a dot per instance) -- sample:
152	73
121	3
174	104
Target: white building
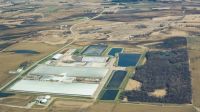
57	56
95	59
69	71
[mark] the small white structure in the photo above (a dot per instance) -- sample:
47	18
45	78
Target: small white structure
19	70
47	97
57	56
12	72
95	59
43	101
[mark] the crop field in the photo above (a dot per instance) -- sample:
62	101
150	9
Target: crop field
18	100
133	15
194	53
168	32
99	107
12	61
194	63
69	106
152	108
26	21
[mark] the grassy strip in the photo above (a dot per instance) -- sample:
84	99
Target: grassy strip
106	51
141	59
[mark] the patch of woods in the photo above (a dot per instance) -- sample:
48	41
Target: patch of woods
165	70
172	43
5	45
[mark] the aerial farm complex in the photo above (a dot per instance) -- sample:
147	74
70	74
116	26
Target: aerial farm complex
80	72
99	55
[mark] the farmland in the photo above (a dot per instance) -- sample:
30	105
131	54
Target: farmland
139	55
11	61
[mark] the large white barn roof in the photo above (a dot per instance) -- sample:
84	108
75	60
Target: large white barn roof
70	71
94	59
75	89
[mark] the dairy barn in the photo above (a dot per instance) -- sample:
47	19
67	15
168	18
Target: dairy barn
74	81
66	73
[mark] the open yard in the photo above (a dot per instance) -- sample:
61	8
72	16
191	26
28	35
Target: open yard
17	100
152	108
69	106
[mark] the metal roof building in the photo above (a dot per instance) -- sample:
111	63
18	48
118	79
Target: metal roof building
73	89
57	56
95	59
90	72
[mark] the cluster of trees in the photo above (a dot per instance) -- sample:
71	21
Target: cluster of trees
172	43
4	45
167	69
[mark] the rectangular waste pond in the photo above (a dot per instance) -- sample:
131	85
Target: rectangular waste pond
94	50
126	60
109	95
116	80
113	51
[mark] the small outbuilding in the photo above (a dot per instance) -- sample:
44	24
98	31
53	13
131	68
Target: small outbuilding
57	56
47	97
43	101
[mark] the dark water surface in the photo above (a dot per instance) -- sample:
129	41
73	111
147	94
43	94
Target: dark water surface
116	79
109	95
6	94
126	60
94	50
25	52
113	51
